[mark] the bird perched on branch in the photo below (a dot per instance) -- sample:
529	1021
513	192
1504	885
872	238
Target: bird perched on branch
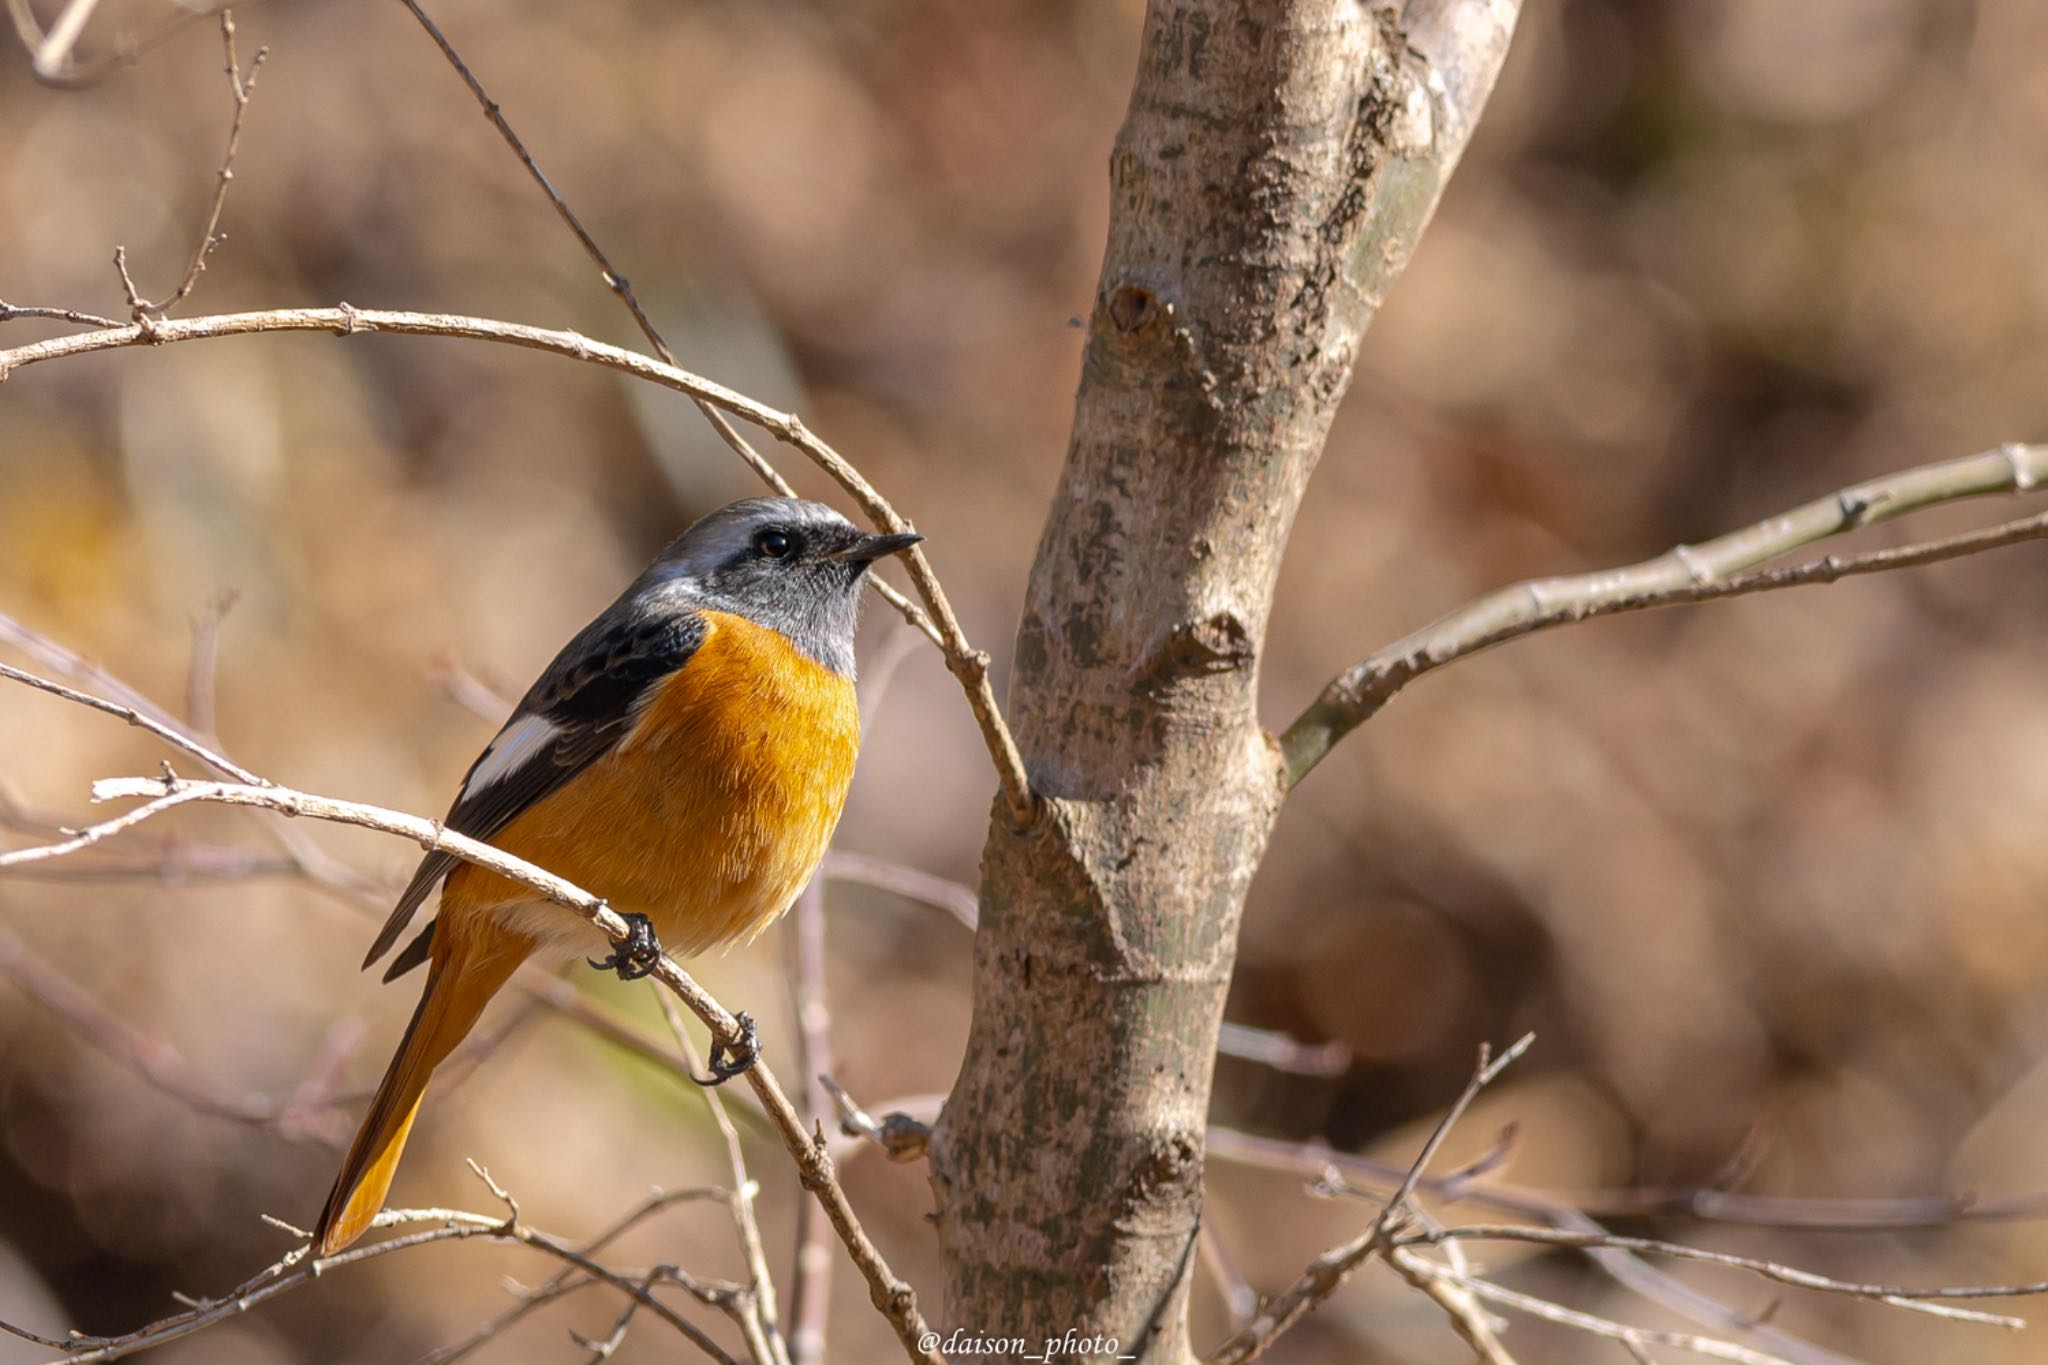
685	757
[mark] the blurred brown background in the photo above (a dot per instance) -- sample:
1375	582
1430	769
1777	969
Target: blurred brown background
1770	869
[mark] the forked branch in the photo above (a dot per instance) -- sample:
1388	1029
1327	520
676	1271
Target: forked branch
1724	567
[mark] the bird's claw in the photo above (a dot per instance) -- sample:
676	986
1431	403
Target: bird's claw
728	1062
638	956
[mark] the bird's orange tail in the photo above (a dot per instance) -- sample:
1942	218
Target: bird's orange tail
463	977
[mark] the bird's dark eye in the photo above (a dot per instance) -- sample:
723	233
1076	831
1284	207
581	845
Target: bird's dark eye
774	544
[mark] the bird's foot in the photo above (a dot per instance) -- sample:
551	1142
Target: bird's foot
728	1062
638	956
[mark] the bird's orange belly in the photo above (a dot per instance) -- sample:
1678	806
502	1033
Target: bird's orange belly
709	816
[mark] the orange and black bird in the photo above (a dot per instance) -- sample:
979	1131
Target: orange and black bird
685	757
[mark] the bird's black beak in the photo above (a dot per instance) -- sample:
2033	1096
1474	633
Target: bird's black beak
868	549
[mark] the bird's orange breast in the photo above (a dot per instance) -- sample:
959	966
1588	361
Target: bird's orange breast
712	812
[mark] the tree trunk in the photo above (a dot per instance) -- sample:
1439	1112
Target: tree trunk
1277	163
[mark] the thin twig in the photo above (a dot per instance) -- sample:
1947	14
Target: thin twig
1697	573
761	1285
451	679
171	797
52	50
570	1278
602	1350
11	311
203	671
1638	1338
516	1227
313	862
913	884
135	716
240	87
297	1269
1240	1300
1468	1318
1281	1052
1919	1299
1482	1076
810	1297
614	281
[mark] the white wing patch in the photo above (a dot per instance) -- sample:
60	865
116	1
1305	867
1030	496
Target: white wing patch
515	744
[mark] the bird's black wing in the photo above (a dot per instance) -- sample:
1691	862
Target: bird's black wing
575	712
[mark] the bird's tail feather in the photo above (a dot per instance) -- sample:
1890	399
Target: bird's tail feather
461	981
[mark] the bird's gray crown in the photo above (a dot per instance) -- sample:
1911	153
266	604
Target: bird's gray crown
717	538
786	563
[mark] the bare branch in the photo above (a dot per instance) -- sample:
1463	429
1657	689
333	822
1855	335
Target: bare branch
240	87
890	1295
941	626
137	717
171	795
308	1116
1334	1266
968	665
1899	1214
1281	1052
1333	1171
308	858
602	1350
1686	574
955	898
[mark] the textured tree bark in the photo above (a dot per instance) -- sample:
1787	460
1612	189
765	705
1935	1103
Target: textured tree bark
1277	163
